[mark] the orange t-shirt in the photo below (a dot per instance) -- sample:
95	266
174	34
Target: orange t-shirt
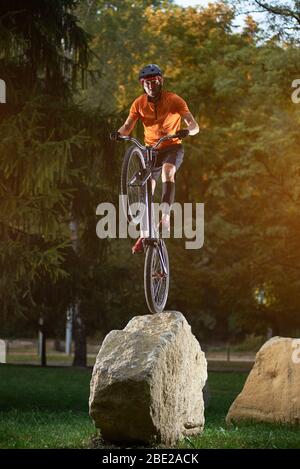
160	118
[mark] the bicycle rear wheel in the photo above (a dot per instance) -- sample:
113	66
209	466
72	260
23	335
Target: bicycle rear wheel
156	280
133	193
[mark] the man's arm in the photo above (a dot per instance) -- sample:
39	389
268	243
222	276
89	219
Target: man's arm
128	126
192	125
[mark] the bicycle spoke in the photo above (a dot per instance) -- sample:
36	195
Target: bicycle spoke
132	169
134	192
158	278
156	290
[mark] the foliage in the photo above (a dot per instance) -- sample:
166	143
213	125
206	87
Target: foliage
57	159
283	16
50	158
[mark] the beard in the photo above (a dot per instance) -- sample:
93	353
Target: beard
154	93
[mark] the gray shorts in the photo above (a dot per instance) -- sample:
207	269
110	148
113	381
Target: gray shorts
173	154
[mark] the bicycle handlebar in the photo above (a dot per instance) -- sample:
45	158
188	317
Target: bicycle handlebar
142	147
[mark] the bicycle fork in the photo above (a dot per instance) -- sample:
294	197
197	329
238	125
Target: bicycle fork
147	228
162	259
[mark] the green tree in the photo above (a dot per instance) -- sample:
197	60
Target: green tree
240	90
43	49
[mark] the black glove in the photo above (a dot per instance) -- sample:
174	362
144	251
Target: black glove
183	133
114	135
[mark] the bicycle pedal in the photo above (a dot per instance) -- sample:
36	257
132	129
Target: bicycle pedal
150	242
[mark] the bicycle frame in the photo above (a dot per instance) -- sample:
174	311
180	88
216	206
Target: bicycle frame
146	179
148	150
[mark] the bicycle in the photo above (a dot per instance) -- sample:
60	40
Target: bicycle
137	198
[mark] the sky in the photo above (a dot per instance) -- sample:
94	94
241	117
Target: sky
259	17
192	3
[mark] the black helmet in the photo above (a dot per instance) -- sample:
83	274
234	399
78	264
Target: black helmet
150	71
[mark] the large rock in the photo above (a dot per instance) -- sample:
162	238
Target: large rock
272	390
147	381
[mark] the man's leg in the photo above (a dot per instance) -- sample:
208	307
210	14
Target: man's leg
153	182
168	192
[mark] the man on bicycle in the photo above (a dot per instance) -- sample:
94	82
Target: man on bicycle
160	112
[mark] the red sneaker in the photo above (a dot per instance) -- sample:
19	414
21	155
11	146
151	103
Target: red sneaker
138	246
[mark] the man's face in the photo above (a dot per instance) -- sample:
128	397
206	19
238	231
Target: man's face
152	86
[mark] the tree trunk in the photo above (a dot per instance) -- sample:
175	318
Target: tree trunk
69	326
79	335
44	354
42	351
79	332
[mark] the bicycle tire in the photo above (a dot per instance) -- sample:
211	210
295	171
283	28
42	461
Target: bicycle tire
133	161
156	296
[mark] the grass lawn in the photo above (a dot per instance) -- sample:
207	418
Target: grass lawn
44	407
224	388
48	408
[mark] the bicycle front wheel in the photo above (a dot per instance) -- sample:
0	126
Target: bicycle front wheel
156	276
133	193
